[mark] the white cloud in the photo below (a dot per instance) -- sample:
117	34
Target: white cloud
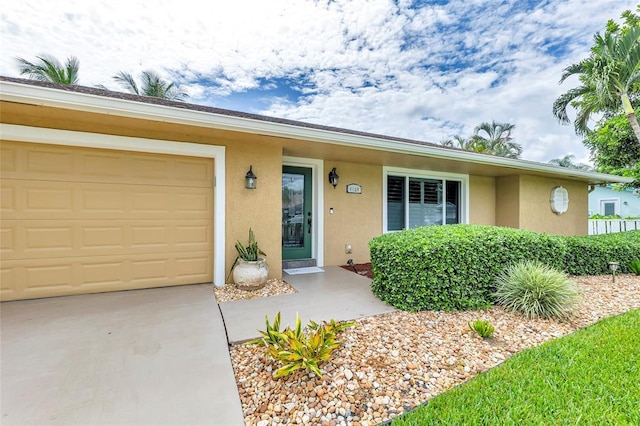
378	66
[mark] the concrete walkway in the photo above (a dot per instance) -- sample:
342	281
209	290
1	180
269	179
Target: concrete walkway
334	294
143	357
149	357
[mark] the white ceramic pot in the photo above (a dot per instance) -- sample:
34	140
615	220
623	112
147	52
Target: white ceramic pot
250	275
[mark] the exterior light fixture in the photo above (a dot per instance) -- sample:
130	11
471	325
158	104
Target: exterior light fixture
333	177
614	267
250	179
559	200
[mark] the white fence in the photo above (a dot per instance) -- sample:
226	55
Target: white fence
608	226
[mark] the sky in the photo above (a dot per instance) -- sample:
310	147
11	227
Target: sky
422	69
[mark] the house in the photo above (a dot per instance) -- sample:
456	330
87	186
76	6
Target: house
606	201
105	191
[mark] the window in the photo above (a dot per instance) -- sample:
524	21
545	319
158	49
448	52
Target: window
609	207
413	200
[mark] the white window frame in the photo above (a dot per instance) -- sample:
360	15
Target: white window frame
616	205
424	174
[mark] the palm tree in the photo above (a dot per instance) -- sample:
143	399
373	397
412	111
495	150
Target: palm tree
152	85
496	140
608	77
50	70
456	142
567	161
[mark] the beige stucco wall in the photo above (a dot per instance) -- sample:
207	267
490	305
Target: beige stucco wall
535	209
482	200
523	202
515	201
260	208
356	218
507	206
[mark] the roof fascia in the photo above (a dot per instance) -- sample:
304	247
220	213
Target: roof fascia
44	96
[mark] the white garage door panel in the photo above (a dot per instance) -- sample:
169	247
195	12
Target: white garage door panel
79	220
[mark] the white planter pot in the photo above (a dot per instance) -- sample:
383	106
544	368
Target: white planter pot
250	275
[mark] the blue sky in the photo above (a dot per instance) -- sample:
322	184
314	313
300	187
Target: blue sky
425	70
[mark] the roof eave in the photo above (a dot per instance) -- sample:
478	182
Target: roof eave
51	97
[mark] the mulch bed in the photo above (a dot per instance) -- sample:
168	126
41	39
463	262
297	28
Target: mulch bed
360	268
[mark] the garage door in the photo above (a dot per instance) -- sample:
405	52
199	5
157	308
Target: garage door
81	220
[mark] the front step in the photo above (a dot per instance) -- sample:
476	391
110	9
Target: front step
298	263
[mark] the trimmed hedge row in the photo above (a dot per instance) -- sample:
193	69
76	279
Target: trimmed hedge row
453	267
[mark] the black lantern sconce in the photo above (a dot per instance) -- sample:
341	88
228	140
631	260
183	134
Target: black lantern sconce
333	177
250	179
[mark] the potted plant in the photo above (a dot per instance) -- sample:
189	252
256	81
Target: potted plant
250	271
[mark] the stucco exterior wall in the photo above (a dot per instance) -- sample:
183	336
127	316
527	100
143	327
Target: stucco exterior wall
260	208
507	205
535	209
482	200
514	201
356	218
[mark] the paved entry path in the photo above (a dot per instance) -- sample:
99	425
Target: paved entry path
333	294
142	357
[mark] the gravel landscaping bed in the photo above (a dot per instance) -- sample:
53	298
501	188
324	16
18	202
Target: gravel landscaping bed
393	362
273	287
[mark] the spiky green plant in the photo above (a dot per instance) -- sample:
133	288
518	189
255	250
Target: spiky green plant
536	290
634	266
483	328
300	348
248	253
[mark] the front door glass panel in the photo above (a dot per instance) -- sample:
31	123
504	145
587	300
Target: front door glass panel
297	217
293	209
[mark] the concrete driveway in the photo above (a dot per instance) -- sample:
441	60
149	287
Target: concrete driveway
155	357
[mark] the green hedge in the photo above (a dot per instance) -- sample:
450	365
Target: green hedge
454	267
590	255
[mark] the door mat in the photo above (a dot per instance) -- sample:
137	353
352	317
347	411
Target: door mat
300	271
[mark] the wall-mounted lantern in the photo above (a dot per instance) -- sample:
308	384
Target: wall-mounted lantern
250	179
559	200
333	177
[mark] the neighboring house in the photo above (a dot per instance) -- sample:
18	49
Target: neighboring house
105	191
606	201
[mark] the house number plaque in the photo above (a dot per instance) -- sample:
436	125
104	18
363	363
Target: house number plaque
354	188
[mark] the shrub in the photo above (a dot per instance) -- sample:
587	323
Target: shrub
483	328
300	348
634	267
591	254
453	267
536	290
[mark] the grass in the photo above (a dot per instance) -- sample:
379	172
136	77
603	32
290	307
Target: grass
591	377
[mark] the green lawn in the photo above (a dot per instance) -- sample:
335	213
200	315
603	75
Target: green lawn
591	377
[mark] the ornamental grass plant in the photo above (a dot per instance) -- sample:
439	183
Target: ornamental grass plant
536	291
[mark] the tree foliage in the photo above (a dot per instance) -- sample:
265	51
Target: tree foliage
608	78
151	85
614	148
490	138
567	161
48	69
